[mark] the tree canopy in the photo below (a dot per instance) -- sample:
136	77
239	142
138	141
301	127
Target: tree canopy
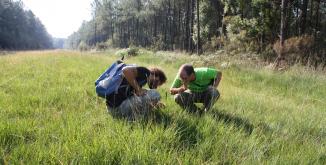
20	29
230	24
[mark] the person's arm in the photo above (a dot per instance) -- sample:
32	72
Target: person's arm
174	91
177	87
130	73
217	79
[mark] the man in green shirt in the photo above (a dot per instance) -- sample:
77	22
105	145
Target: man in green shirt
196	85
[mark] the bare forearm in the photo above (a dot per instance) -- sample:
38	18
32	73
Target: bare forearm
134	84
174	91
130	75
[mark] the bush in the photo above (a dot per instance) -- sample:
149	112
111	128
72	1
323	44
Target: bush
268	54
296	49
122	52
214	43
101	46
133	51
158	43
83	46
242	33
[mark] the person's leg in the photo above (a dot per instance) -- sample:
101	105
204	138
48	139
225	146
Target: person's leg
186	101
112	101
113	111
142	105
128	106
209	97
152	96
147	102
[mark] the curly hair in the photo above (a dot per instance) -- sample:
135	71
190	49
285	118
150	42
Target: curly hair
158	73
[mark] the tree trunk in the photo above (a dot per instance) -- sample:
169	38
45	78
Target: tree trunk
287	17
95	35
191	25
317	18
304	8
179	32
112	31
198	29
282	34
283	22
155	24
187	26
166	28
218	21
311	16
169	26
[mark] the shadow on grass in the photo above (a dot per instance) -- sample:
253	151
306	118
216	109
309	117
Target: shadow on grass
11	138
187	133
157	117
233	120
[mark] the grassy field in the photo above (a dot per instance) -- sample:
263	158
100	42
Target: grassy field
50	114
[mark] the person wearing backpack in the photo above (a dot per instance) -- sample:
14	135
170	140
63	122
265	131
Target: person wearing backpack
129	98
196	85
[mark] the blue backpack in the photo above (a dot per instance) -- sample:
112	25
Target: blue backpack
110	80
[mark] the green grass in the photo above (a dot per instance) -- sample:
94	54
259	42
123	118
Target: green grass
50	114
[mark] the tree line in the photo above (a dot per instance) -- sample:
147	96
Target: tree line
20	29
191	25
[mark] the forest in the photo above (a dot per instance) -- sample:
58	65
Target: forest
271	104
293	30
20	29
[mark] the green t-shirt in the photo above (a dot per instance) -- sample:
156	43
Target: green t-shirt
204	78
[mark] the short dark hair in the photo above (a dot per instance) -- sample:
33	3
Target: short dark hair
188	68
158	73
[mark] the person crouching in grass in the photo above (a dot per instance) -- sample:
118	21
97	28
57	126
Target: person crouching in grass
132	99
196	85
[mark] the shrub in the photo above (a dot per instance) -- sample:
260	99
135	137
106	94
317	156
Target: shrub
214	43
132	51
109	43
83	46
268	54
158	43
242	33
295	49
122	52
101	46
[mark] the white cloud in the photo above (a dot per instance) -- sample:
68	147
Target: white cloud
60	17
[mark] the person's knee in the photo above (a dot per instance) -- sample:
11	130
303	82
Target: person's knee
154	95
126	107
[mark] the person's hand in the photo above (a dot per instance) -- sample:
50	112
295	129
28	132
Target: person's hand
174	91
182	89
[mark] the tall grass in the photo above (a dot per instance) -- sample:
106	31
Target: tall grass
50	114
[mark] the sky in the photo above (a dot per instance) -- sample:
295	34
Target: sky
60	17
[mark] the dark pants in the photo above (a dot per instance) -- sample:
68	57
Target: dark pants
187	99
